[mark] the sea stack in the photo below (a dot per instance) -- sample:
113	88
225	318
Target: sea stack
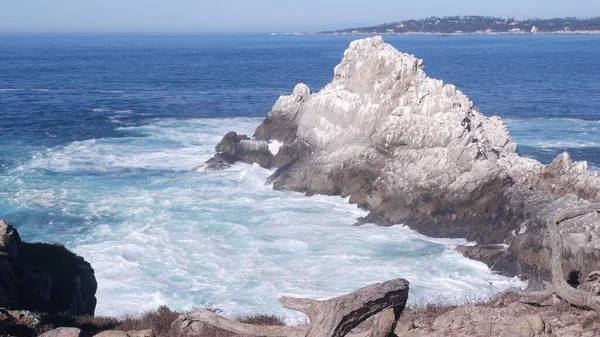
414	150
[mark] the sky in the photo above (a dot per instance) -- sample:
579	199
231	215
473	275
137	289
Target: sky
248	16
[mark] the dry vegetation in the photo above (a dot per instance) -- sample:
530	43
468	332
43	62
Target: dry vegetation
467	319
158	320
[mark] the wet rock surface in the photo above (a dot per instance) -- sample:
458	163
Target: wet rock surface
234	148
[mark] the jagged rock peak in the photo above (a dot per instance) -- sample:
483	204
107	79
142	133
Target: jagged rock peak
378	95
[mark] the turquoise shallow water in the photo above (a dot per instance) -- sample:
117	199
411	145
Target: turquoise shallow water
101	138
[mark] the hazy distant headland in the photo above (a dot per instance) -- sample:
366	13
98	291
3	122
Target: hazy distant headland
474	24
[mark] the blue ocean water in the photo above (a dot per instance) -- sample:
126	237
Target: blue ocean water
100	136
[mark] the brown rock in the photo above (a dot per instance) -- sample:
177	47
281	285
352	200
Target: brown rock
117	333
413	333
402	329
141	333
187	325
112	333
526	326
453	319
62	332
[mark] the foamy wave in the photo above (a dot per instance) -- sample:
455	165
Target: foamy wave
168	145
158	232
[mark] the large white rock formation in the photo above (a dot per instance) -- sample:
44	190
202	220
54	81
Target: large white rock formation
414	150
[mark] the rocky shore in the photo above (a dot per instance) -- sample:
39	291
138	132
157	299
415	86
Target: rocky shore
414	150
510	318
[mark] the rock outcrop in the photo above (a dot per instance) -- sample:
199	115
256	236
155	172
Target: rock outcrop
234	148
43	277
414	150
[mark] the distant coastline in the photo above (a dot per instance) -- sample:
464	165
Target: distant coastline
477	25
576	32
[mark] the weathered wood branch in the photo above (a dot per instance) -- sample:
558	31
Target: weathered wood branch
208	317
559	285
338	316
335	317
305	306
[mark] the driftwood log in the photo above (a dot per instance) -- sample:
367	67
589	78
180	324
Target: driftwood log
559	285
336	317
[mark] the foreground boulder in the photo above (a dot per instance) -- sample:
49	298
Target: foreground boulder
117	333
62	332
42	277
414	150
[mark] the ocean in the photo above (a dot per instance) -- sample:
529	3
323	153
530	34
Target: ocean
101	137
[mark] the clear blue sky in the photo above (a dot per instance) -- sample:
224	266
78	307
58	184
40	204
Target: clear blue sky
257	15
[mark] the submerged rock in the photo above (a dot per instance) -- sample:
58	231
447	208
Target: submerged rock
414	150
42	277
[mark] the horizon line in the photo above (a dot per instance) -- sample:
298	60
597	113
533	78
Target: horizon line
275	30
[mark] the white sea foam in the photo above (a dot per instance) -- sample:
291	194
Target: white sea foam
158	232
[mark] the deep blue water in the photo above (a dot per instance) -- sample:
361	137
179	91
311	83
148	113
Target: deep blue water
63	81
99	136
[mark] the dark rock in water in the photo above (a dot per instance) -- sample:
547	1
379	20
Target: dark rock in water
43	277
221	161
234	148
414	150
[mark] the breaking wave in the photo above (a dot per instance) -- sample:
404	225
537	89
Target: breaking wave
158	232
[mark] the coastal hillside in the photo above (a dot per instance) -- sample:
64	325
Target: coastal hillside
478	24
